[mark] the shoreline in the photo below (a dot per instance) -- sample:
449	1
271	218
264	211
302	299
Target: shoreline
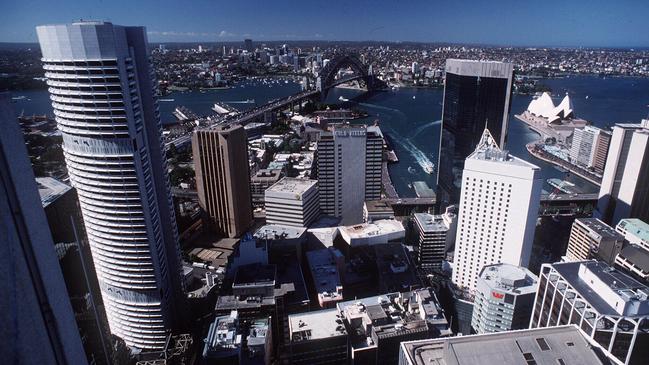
572	169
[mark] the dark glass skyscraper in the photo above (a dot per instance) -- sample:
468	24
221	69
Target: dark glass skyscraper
476	95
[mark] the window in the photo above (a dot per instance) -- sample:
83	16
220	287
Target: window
542	344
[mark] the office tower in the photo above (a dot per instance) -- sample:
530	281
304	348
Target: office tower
476	96
590	147
292	202
590	238
498	211
504	298
103	94
38	324
556	345
349	170
223	178
247	45
623	193
436	237
609	306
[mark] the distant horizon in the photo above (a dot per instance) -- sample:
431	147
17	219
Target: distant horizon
505	23
423	43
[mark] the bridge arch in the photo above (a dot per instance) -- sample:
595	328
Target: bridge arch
326	76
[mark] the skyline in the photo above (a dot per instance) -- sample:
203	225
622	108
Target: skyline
578	24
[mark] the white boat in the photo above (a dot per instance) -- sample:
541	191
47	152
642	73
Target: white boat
428	167
341	98
414	97
167	100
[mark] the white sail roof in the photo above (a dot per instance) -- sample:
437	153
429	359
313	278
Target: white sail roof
544	107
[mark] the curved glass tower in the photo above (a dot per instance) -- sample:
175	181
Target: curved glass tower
102	89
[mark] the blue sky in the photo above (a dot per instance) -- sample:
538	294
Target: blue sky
504	22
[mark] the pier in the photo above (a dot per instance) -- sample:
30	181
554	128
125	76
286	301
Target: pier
388	187
537	152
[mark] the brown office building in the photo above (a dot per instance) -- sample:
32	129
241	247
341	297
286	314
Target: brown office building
223	178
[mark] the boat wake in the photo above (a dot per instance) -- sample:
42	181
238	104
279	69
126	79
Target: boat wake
421	158
421	128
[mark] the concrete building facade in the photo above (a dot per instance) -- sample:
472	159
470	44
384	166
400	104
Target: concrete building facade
623	193
436	237
292	202
102	88
504	298
497	213
349	170
590	238
608	305
222	178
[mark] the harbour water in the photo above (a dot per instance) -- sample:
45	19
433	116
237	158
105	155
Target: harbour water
411	117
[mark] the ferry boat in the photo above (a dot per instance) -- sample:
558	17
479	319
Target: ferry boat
167	100
428	167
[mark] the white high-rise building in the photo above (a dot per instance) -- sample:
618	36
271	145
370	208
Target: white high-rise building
498	210
349	170
623	193
103	90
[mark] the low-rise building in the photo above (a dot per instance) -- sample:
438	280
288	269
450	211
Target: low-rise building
590	238
377	232
556	345
292	202
634	260
395	271
377	209
326	266
318	337
504	298
223	341
261	181
635	231
377	325
436	237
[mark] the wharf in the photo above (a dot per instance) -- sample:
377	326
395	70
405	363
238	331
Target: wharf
392	156
534	149
560	131
388	187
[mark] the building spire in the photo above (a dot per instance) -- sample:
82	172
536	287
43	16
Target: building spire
487	142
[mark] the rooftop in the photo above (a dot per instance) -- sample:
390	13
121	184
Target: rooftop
376	228
488	150
606	288
378	206
635	227
223	337
50	189
255	274
431	222
324	271
538	346
515	279
293	186
316	325
266	175
276	231
601	230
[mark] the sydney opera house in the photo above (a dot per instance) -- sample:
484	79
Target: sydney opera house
544	107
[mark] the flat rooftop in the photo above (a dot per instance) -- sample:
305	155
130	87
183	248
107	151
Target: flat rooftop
506	277
326	278
292	185
634	226
542	345
431	222
255	274
376	228
276	231
266	175
50	189
611	288
378	206
316	325
601	229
